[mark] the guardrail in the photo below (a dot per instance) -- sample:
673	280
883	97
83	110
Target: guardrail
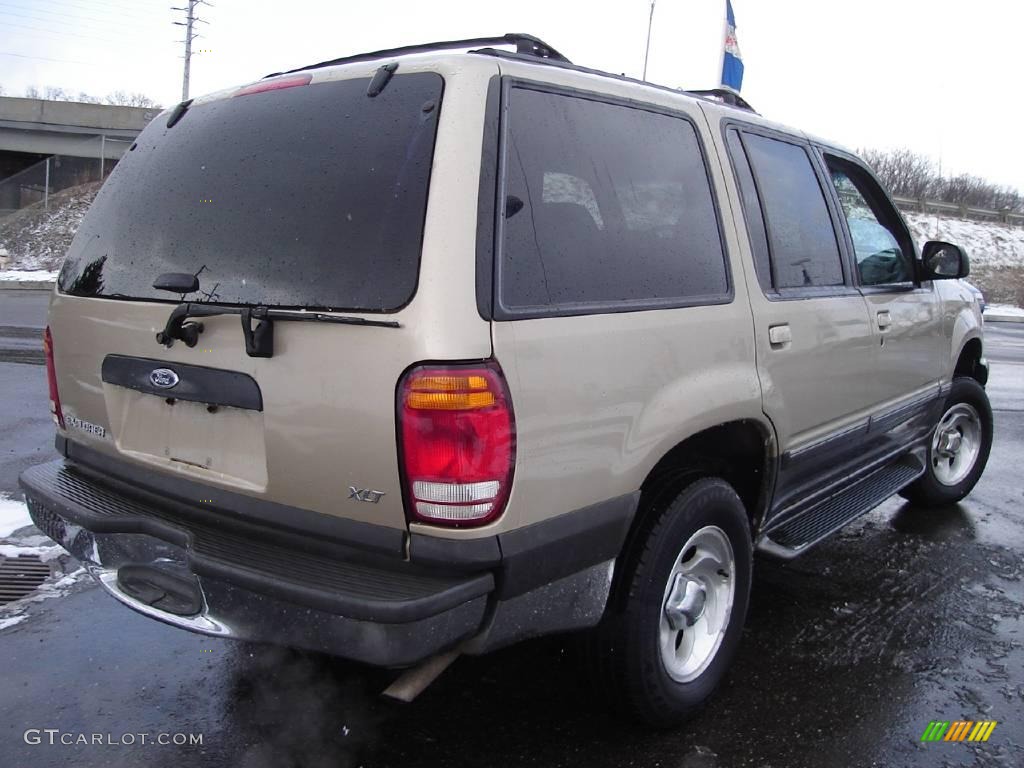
959	211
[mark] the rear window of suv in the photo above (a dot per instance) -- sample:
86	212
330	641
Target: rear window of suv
310	196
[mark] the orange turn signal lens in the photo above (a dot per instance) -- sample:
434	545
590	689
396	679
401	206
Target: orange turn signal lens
449	393
449	401
448	384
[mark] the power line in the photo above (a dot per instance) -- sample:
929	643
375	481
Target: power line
131	10
131	7
46	58
66	34
91	20
90	28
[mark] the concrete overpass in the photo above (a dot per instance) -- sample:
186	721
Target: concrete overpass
39	127
48	146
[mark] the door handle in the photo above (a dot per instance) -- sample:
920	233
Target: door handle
780	335
884	319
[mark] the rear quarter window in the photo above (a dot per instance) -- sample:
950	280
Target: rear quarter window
607	207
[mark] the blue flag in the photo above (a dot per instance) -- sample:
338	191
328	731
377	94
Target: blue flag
732	62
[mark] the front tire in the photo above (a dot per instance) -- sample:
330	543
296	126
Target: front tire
958	450
674	625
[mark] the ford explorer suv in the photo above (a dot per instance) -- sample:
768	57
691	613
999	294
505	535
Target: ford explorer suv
427	351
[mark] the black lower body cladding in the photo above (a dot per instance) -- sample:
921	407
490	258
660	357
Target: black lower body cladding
294	577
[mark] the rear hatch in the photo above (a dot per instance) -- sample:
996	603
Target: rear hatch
303	198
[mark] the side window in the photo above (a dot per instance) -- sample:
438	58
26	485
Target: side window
801	239
751	209
880	244
604	204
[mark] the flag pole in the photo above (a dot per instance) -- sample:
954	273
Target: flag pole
647	49
721	60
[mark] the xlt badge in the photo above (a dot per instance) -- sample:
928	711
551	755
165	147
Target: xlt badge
365	494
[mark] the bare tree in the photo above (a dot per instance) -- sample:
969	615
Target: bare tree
52	93
123	99
2	91
904	172
909	174
117	98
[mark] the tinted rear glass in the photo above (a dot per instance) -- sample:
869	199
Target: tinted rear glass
310	196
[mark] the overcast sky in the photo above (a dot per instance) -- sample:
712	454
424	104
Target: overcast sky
938	76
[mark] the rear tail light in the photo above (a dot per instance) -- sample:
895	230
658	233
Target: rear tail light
457	443
51	379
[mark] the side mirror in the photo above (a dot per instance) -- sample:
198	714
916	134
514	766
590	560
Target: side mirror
944	261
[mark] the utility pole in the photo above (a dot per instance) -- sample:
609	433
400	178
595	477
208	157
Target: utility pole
190	21
647	50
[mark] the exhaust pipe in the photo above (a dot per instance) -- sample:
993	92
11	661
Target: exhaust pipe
413	681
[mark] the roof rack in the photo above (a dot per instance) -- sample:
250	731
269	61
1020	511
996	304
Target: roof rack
528	48
724	96
527	45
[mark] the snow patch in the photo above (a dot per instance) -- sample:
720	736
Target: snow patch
59	587
10	622
23	275
45	554
13	515
15	612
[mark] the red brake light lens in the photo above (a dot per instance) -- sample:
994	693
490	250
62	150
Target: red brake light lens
51	379
274	85
458	443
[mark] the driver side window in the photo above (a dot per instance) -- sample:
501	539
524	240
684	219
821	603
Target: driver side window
883	252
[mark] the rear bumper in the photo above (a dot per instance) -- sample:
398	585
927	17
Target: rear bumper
171	564
244	569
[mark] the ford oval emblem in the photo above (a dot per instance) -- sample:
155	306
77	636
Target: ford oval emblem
164	378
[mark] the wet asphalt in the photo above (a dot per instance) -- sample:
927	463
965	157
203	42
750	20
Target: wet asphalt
906	616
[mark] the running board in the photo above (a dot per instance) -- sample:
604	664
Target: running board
829	515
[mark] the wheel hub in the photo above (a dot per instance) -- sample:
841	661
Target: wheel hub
685	603
949	443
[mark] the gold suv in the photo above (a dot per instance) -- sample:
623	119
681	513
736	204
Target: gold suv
425	352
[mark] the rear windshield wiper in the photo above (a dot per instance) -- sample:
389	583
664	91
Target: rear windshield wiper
259	340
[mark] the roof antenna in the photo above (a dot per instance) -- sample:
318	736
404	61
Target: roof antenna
647	50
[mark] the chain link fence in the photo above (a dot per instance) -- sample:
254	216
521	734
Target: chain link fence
90	161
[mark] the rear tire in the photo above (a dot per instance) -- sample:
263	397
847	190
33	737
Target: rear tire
958	449
674	624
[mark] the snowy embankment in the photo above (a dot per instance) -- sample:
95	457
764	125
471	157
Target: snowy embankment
1004	310
996	252
36	238
987	244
